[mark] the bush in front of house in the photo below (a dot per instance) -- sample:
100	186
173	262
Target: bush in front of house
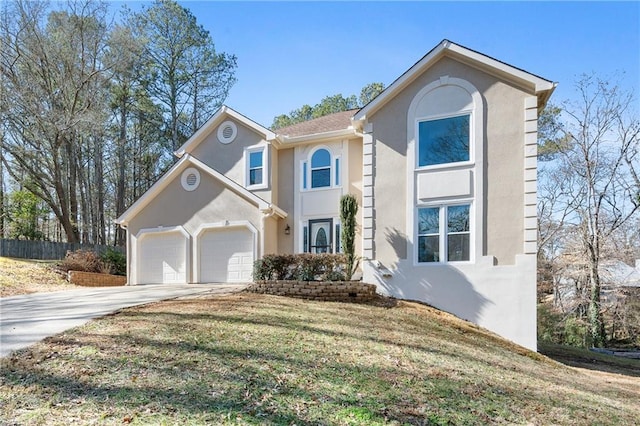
300	267
82	260
114	261
110	262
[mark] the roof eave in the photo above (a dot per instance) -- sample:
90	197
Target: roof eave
215	120
299	140
470	57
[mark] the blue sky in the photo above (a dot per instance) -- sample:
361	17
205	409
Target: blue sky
292	53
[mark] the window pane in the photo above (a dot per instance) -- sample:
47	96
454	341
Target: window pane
443	141
305	239
255	177
458	247
320	178
429	221
321	158
255	159
458	219
338	242
337	172
304	175
429	249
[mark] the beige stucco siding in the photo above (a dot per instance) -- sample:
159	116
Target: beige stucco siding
285	198
504	172
228	159
211	202
504	164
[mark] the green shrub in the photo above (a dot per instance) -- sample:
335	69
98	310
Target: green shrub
576	332
114	261
550	324
300	267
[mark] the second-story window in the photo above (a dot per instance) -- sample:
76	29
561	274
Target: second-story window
321	169
256	167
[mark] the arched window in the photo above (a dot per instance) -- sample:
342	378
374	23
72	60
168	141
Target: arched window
321	169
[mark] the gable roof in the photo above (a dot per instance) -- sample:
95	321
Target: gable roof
542	87
174	172
220	116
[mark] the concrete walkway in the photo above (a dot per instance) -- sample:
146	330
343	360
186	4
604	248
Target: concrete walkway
25	320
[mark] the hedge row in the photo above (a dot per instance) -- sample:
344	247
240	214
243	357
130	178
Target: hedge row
301	267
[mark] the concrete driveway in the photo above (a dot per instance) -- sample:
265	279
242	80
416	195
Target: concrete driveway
25	320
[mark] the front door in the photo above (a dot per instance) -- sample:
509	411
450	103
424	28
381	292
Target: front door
321	236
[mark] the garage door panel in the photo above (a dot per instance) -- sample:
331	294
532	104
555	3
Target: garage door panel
226	255
162	258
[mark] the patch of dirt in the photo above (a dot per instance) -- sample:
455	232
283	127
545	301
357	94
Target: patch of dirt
18	276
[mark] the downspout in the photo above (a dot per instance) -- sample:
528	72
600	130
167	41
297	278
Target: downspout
266	214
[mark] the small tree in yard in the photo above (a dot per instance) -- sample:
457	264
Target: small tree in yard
348	212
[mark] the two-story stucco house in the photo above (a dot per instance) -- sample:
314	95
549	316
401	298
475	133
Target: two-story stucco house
443	164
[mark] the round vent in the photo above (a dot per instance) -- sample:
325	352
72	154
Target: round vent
227	132
190	179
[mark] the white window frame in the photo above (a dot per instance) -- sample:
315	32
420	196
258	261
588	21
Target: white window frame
306	170
471	160
423	107
442	232
265	166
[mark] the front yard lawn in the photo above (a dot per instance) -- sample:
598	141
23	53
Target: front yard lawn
255	359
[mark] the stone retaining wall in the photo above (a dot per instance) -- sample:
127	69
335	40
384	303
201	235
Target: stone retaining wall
92	279
332	291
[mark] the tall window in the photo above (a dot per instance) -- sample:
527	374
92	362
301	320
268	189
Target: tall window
444	234
255	168
321	169
443	141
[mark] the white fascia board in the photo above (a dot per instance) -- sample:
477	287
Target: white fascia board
214	121
274	210
542	87
317	137
539	83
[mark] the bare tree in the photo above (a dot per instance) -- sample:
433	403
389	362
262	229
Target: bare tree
52	98
594	188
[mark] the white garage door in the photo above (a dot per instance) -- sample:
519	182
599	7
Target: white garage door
162	258
226	255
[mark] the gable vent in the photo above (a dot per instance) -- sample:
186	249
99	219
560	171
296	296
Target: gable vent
227	132
190	179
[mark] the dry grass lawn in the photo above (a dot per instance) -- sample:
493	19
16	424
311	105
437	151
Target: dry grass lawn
18	276
256	359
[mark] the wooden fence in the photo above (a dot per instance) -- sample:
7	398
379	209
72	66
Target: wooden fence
46	250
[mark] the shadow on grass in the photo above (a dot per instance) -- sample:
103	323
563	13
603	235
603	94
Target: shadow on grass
584	358
248	383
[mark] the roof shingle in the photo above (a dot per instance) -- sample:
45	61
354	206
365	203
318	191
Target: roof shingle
336	121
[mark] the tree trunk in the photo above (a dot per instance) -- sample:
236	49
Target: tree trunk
99	188
70	220
120	186
1	188
596	323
